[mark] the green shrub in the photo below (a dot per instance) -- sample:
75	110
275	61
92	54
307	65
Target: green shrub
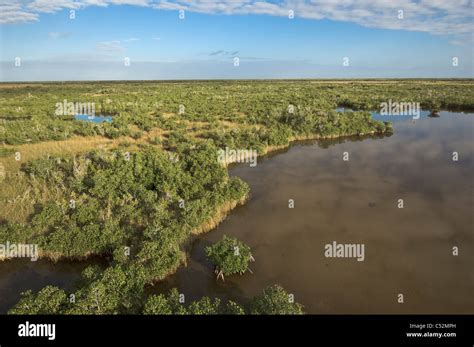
230	256
274	301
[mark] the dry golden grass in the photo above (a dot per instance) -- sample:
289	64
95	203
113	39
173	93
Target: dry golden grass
19	194
16	85
220	214
71	146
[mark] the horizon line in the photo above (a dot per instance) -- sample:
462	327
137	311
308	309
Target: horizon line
251	80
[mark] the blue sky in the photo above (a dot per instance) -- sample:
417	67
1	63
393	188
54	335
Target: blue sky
204	45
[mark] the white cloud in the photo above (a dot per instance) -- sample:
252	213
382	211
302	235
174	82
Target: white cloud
222	53
51	6
12	12
59	35
433	16
111	46
114	46
442	17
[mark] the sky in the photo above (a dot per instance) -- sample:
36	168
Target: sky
50	40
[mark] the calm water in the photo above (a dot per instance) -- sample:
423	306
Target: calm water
20	275
93	119
407	250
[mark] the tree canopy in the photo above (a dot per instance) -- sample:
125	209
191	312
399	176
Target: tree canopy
275	301
230	256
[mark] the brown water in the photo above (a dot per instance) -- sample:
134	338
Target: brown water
407	250
20	275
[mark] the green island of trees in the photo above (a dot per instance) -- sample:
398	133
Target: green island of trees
230	256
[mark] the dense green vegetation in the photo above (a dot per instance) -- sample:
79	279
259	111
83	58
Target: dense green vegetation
138	208
144	201
115	298
230	256
135	190
27	112
275	300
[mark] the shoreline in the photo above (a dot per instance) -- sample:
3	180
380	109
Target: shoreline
221	213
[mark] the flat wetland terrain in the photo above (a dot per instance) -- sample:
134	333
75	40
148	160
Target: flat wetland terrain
122	211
